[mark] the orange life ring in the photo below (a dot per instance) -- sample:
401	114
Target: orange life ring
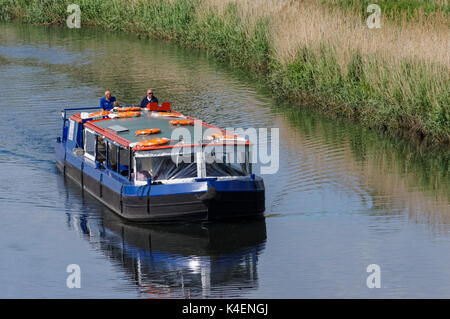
216	136
148	131
99	114
169	114
182	122
152	142
127	114
128	108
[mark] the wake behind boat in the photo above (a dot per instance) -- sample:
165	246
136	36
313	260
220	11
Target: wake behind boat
128	159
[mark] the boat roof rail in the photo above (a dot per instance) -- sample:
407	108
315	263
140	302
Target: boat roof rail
82	108
87	108
64	111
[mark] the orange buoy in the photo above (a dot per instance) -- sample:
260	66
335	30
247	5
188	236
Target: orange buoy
149	143
99	114
128	108
148	131
182	122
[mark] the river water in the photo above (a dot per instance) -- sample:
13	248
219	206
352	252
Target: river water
344	197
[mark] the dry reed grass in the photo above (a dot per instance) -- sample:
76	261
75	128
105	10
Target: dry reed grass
295	24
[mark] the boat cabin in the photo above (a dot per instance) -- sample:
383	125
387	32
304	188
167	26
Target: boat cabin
150	147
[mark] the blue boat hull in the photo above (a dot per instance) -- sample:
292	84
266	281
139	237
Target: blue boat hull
204	200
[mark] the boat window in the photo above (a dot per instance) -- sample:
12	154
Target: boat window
90	140
71	129
164	168
227	164
112	156
101	150
124	161
225	169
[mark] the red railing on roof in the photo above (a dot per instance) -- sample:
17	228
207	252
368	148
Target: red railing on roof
108	134
149	148
76	118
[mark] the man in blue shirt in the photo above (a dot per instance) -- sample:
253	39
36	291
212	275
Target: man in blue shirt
149	98
107	101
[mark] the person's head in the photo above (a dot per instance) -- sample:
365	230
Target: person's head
149	93
108	94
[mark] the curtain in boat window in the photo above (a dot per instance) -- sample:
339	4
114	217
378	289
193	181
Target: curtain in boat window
164	168
112	156
220	163
225	169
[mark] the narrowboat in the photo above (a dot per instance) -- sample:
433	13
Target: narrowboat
144	165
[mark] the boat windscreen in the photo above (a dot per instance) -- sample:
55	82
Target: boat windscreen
225	169
178	167
163	168
226	164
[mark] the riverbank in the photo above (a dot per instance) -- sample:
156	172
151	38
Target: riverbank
395	78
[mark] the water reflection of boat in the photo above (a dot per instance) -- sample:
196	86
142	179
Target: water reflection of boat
180	260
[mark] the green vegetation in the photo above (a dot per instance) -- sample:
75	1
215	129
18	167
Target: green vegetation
393	104
395	9
402	94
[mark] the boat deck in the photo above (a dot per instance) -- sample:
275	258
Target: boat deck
150	120
147	120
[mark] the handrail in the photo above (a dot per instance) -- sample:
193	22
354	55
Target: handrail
82	108
64	114
85	108
64	117
64	111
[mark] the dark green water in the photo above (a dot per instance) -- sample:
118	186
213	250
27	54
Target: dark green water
344	197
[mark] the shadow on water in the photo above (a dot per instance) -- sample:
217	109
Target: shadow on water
188	260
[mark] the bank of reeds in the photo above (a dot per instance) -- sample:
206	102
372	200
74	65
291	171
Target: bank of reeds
395	77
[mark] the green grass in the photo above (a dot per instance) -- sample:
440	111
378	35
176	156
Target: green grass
414	97
417	102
